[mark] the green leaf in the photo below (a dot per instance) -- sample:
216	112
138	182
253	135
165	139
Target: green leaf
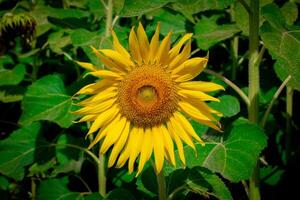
12	77
55	189
290	12
10	94
85	39
234	158
282	74
58	40
203	181
195	6
228	105
209	33
18	150
46	99
166	19
271	175
119	194
133	8
147	182
283	44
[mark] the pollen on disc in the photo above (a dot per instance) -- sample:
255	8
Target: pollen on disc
147	96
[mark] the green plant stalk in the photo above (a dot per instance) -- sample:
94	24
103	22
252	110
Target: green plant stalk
253	74
162	195
33	189
102	175
234	56
101	164
109	17
289	114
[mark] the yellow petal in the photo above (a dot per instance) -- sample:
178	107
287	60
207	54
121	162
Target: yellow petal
158	149
169	146
197	115
119	145
101	107
114	134
135	149
127	150
146	150
175	50
143	43
103	132
182	57
163	50
95	87
197	95
134	47
118	47
187	127
103	119
88	118
107	74
109	63
189	69
98	98
204	108
87	66
178	144
154	44
179	131
201	86
117	58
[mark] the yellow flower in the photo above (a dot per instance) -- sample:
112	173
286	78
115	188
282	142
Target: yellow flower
141	104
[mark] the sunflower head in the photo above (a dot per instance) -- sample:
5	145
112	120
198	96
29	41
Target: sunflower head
142	104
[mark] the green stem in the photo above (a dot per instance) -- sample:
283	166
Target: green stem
289	112
275	96
231	84
101	175
234	56
162	195
253	72
109	17
33	189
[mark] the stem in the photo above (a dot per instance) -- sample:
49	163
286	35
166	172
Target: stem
234	56
109	15
33	189
231	84
175	191
162	195
277	93
101	175
246	6
253	72
289	112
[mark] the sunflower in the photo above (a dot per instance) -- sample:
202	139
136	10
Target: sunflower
145	95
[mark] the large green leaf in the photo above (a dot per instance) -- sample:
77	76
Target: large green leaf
58	40
12	76
283	44
234	158
209	33
18	150
290	12
46	99
228	105
133	8
55	189
203	181
119	194
195	6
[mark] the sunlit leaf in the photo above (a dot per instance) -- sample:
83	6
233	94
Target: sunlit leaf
133	8
209	33
234	158
46	99
195	6
228	105
283	44
290	12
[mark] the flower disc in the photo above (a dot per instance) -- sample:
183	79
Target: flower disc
147	96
